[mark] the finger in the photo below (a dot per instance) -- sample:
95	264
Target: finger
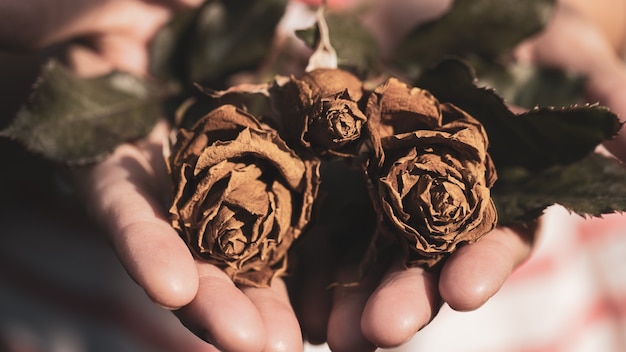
121	194
310	285
406	300
474	273
35	24
101	54
313	301
349	298
223	315
282	331
607	86
181	3
86	62
40	23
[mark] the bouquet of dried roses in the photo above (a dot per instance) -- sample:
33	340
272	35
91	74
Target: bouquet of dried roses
426	164
243	195
429	159
426	153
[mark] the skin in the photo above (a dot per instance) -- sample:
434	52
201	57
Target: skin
407	299
590	40
473	274
124	192
391	305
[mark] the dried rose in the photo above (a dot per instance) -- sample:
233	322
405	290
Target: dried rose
397	108
241	195
320	111
432	179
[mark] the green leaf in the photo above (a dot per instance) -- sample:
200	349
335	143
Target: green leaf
76	120
593	186
169	49
357	50
529	86
231	36
210	43
534	140
485	28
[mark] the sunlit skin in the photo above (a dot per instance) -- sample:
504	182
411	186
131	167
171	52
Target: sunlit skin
393	303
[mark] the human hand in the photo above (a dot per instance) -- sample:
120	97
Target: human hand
102	34
392	303
126	193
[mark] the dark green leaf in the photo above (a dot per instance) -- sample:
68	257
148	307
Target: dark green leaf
533	140
169	49
231	36
593	186
486	28
356	48
77	120
208	44
529	86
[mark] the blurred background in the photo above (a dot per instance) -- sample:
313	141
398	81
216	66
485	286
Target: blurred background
63	290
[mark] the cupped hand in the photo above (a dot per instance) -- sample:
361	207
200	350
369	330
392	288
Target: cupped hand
392	303
126	193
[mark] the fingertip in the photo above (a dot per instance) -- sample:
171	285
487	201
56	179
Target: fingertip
344	329
474	273
464	292
282	330
223	315
172	293
406	301
467	282
400	324
160	262
188	3
240	337
177	285
314	302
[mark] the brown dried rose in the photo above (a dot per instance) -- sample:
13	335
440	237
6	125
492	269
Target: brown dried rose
320	111
432	175
241	195
397	108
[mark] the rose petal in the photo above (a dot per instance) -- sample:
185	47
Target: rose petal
227	117
283	211
265	146
396	108
328	82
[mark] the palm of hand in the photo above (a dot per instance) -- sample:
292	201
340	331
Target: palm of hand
125	192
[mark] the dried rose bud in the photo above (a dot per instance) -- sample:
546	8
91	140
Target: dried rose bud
320	111
432	184
241	195
333	123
